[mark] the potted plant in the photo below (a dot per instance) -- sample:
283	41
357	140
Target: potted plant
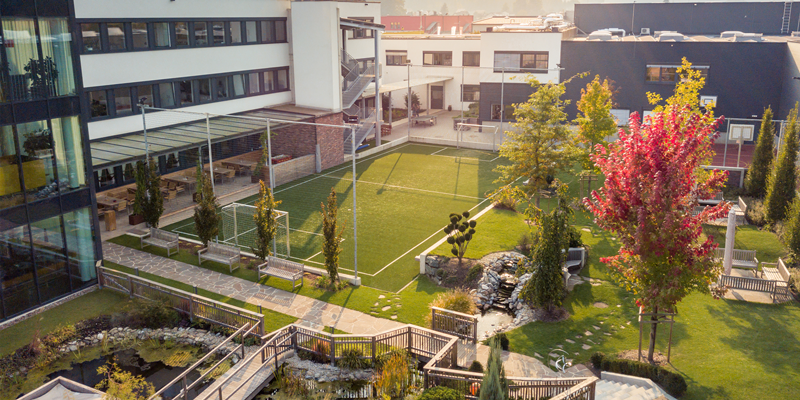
42	75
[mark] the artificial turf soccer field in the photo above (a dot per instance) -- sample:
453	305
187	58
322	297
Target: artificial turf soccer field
404	196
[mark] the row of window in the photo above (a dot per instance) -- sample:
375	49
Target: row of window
109	37
121	101
508	61
669	73
36	61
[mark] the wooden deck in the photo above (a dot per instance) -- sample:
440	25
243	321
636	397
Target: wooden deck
245	382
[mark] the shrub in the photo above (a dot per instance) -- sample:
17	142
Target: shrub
575	239
156	314
476	366
474	272
507	197
503	339
395	377
353	358
380	360
525	243
122	385
756	213
791	234
673	383
458	300
441	393
291	384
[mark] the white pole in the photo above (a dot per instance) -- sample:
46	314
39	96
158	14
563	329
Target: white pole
235	226
378	112
730	235
269	157
210	159
144	130
408	100
288	247
502	96
355	233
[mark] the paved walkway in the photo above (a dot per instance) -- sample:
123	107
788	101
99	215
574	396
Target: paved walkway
310	312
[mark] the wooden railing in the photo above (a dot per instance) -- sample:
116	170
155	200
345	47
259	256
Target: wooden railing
744	283
440	349
190	304
458	324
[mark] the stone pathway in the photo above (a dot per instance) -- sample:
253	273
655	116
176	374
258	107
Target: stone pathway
310	312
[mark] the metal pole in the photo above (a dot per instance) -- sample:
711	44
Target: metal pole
235	226
210	159
269	156
725	151
633	15
462	90
144	130
355	233
739	156
502	96
378	113
408	100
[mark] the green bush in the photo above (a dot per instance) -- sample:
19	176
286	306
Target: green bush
353	358
504	342
476	366
574	237
756	213
441	393
155	314
671	382
458	300
474	272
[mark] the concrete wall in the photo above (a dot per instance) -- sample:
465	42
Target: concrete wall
522	41
791	87
686	18
177	9
315	48
734	67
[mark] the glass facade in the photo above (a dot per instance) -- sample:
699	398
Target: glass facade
48	237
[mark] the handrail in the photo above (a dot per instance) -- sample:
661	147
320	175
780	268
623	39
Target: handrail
218	363
196	364
460	314
265	362
588	383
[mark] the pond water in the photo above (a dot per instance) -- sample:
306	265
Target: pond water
157	373
322	391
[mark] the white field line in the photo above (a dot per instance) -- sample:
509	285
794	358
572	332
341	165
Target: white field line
406	188
442	149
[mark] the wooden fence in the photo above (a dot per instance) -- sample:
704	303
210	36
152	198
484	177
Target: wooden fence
745	283
190	304
458	324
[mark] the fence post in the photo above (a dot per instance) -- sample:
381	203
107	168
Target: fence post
333	351
191	308
130	282
185	391
410	340
373	348
433	319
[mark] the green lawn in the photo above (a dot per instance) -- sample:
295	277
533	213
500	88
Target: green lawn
404	196
94	304
748	237
497	230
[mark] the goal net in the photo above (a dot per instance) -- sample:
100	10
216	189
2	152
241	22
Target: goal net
239	229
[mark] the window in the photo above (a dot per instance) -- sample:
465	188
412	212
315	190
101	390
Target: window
221	84
21	53
509	114
283	79
235	31
200	34
182	34
122	101
669	73
250	31
238	85
267	32
56	46
98	103
36	147
471	59
11	189
80	243
116	37
144	94
269	81
166	94
204	90
90	34
437	58
161	34
396	57
470	92
280	31
68	144
185	92
139	34
253	82
218	32
531	62
362	33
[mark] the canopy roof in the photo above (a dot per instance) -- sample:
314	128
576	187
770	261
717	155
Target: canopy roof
403	85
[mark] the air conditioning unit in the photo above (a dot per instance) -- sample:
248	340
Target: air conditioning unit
645	31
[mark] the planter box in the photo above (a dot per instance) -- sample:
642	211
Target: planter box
135	219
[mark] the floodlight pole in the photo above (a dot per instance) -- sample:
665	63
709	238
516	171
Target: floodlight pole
210	159
269	157
355	234
144	130
408	100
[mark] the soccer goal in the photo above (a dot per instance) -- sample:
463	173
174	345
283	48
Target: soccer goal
239	229
477	136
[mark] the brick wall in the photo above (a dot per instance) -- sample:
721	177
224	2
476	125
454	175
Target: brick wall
294	140
330	140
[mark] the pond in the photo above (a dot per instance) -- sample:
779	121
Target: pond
156	373
321	391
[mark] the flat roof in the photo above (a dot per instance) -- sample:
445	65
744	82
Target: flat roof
186	135
687	39
404	84
427	36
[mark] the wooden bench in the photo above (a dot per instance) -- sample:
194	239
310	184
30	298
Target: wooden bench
283	269
778	273
220	253
163	239
741	211
745	259
718	198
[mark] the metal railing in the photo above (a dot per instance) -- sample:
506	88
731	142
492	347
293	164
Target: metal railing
458	324
354	84
194	306
348	61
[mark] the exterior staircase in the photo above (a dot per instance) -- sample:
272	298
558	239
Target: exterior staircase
620	387
364	128
356	79
787	17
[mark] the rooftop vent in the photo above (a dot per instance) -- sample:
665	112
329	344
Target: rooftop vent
748	37
795	34
730	34
600	35
669	36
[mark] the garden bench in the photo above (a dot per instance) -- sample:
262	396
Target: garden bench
745	259
576	258
220	253
741	210
779	273
283	269
163	239
718	198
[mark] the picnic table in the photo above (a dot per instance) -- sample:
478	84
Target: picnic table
239	164
111	203
187	181
425	119
221	172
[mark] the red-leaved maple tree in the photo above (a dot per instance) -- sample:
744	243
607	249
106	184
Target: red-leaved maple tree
653	183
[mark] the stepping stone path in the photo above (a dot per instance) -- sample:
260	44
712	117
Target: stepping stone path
385	308
381	297
586	347
570	341
600	304
393	317
597	328
587	333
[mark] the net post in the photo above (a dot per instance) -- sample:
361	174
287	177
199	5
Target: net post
235	226
210	159
269	157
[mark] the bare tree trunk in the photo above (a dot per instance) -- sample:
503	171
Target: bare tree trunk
653	330
538	198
